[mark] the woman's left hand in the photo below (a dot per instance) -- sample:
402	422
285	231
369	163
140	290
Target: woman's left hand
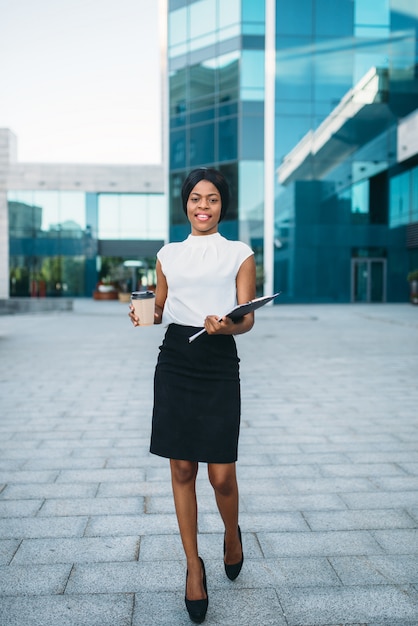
216	326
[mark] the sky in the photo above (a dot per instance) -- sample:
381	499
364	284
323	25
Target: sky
80	80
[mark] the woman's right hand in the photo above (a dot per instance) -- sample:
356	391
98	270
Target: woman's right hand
132	316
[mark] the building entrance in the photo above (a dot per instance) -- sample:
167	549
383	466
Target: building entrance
368	280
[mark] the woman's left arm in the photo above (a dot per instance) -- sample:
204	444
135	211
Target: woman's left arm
245	284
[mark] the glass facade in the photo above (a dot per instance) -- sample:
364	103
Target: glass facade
216	107
55	238
346	79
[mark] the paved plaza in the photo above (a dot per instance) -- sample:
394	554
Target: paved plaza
328	473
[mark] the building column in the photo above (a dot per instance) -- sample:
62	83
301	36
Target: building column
269	147
4	246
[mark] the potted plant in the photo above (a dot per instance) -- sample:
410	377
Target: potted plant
413	286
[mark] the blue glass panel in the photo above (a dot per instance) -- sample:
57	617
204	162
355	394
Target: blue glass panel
288	132
177	27
201	144
227	108
251	190
399	193
253	11
252	69
202	19
294	17
294	69
177	149
228	139
251	28
252	138
334	19
202	116
228	76
333	71
372	12
202	83
414	190
229	13
178	92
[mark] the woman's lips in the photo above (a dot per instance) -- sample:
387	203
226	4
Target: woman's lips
203	217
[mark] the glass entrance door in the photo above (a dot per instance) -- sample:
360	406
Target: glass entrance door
368	280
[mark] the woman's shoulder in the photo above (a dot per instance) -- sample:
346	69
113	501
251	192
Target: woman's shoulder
169	248
235	244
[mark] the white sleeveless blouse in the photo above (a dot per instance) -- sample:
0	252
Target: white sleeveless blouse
201	273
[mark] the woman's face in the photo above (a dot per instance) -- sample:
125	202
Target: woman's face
204	208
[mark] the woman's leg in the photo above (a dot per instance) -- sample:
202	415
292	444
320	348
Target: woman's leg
183	480
223	479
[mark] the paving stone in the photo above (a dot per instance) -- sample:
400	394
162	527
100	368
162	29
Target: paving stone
80	550
91	506
82	610
341	605
53	490
361	570
318	543
22	580
359	519
8	548
28	528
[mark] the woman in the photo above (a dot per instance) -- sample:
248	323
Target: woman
196	412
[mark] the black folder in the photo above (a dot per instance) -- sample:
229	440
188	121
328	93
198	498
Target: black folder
240	310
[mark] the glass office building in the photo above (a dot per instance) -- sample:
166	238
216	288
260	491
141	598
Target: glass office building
310	108
62	243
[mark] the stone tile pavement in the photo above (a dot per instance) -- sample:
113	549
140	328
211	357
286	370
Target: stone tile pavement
328	473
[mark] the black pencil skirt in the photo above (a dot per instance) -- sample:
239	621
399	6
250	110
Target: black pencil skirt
197	404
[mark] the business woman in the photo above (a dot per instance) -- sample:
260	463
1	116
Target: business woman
196	414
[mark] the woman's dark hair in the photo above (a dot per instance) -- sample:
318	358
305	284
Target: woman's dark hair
213	176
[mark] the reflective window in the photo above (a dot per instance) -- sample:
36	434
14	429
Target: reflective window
294	69
202	84
128	216
253	11
251	190
47	213
178	149
403	198
228	139
326	23
177	27
202	23
294	17
228	76
360	202
229	13
252	138
252	75
399	194
178	93
202	144
372	18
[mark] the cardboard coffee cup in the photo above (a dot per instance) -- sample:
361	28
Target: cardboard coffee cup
144	305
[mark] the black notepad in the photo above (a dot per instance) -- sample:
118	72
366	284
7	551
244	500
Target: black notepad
240	310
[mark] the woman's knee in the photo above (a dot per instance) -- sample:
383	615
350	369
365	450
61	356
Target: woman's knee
223	480
183	472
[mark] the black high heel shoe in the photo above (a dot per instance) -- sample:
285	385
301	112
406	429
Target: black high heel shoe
197	608
233	570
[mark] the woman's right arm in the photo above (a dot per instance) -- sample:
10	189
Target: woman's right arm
160	298
160	293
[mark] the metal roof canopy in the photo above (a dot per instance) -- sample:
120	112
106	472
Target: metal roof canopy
362	114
